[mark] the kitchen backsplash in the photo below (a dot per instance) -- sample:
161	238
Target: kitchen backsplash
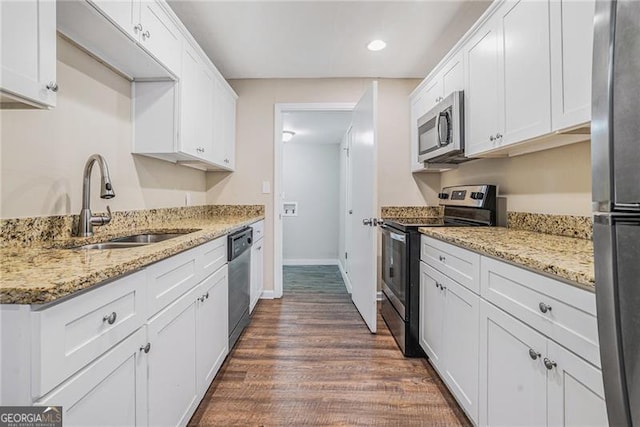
580	227
410	211
25	231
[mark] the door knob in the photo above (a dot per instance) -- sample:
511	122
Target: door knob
367	221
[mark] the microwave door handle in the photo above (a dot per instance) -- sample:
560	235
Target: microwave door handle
447	140
439	140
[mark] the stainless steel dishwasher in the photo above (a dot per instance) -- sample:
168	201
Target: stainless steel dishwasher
239	246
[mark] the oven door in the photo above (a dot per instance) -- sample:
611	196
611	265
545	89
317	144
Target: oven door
394	268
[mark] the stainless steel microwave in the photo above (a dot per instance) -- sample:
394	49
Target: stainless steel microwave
441	132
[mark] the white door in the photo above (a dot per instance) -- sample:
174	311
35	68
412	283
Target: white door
576	391
212	327
28	50
431	314
111	391
364	238
513	377
173	390
348	205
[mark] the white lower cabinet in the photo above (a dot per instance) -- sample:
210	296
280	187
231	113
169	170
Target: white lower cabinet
110	391
189	341
523	352
212	327
528	379
449	334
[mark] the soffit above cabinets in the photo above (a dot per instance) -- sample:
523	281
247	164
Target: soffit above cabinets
305	39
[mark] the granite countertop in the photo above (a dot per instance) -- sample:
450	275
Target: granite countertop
567	258
41	272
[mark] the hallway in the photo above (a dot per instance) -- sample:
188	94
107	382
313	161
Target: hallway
308	359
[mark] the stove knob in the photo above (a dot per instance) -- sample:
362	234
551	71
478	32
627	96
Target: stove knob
477	195
443	196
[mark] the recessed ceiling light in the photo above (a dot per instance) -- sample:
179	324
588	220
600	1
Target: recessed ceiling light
287	135
376	45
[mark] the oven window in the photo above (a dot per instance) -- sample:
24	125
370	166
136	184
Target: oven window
394	252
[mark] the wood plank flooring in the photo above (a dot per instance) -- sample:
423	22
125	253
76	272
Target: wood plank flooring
309	359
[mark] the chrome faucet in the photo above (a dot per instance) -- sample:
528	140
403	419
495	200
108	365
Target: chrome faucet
87	219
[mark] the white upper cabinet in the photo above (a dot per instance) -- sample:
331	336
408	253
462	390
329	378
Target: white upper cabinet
571	57
124	13
482	97
28	52
524	55
224	124
159	35
453	75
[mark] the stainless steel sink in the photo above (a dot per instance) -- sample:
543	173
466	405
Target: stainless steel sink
134	241
147	238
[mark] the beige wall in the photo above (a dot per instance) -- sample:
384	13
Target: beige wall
556	181
254	143
44	151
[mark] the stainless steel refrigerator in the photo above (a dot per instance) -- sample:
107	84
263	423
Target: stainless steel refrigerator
615	155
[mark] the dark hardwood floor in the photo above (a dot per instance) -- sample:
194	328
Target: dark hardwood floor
309	359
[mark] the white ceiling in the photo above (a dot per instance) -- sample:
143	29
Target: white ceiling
316	127
289	39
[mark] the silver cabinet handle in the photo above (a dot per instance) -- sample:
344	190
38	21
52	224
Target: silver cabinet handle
534	354
138	27
549	364
492	138
146	348
53	86
110	318
498	135
226	160
544	307
146	34
442	258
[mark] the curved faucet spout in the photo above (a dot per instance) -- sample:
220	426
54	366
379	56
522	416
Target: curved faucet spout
87	219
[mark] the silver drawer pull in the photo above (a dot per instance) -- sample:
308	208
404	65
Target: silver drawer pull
146	348
110	318
442	258
533	354
549	364
544	307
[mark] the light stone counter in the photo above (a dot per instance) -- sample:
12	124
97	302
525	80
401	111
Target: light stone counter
567	258
42	271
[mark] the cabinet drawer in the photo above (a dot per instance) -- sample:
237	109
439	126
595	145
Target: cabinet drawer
461	265
214	255
69	335
258	230
170	278
564	313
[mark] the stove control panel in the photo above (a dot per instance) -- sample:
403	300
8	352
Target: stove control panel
474	196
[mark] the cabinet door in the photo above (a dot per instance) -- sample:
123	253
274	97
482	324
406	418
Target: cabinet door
172	385
525	63
513	384
575	390
418	108
224	125
432	93
160	36
212	328
192	96
571	57
431	314
460	345
111	391
483	103
28	50
124	13
453	75
257	265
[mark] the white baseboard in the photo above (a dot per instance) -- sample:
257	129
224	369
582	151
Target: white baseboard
345	278
270	294
310	262
379	296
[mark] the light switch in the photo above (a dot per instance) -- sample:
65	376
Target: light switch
266	187
187	199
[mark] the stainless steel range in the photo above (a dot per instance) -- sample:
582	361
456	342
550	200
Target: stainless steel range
466	205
